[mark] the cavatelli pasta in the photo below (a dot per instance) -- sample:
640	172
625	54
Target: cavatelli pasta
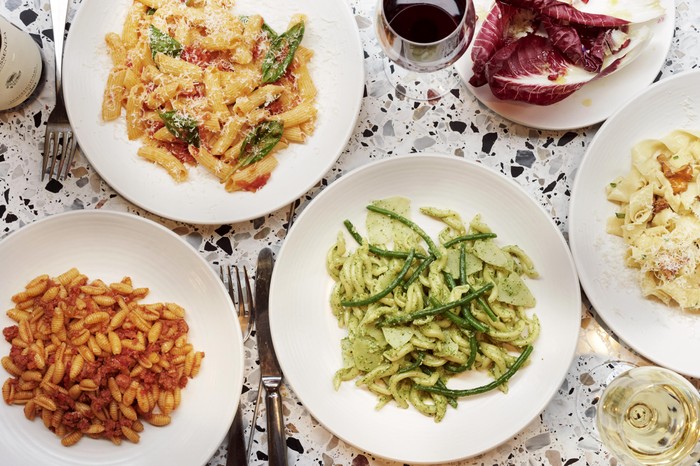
87	342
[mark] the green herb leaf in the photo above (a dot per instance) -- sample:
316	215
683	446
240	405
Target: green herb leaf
150	11
183	127
620	214
163	43
281	53
260	141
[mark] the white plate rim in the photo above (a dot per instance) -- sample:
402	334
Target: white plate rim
581	222
279	330
591	104
92	452
335	125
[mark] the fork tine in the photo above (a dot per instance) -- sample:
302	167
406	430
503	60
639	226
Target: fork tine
241	299
58	141
229	286
251	305
71	154
47	152
64	147
66	154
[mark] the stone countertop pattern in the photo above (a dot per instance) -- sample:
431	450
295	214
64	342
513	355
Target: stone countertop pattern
543	163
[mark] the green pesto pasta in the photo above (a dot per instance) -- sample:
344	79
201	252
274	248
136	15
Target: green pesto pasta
429	309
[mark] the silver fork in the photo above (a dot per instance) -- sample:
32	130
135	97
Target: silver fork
237	452
59	142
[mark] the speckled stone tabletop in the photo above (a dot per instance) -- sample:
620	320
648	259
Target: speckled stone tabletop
544	163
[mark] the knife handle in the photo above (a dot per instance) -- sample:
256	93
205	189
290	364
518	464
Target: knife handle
276	442
236	454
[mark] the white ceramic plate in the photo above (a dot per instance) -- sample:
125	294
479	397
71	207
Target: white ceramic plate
337	70
663	334
595	101
110	245
307	338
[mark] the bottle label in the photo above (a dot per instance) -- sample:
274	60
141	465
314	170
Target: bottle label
20	65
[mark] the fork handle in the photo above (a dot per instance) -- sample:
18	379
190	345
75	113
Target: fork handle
59	12
276	443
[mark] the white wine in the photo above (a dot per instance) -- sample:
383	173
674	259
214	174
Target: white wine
651	416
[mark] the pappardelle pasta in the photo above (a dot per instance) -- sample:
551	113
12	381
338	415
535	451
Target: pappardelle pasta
419	312
658	217
89	359
200	85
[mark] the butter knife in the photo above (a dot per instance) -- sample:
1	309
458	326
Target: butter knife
269	367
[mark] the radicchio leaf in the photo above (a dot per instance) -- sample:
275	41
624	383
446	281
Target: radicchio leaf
599	13
491	37
584	46
532	70
632	11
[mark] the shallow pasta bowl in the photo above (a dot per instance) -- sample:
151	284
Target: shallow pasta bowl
307	338
664	334
110	246
336	69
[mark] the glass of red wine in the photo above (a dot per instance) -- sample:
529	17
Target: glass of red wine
421	40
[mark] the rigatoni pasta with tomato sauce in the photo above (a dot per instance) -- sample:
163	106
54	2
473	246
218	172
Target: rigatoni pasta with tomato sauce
89	359
201	85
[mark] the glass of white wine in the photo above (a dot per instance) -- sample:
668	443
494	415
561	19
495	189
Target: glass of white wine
646	415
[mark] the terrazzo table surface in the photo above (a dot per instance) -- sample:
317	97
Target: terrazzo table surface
544	163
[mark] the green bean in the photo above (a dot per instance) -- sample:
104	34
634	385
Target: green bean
449	279
432	311
452	401
471	237
466	312
353	232
484	388
463	265
469	318
415	364
419	270
377	250
440	383
385	291
472	357
402	254
487	309
431	245
468	322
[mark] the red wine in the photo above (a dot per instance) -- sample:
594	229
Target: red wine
424	21
425	35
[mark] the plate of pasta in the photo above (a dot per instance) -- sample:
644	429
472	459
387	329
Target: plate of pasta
369	331
633	223
120	345
213	112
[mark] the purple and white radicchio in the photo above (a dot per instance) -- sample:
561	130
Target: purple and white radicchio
564	46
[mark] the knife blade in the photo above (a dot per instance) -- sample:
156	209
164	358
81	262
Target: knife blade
270	370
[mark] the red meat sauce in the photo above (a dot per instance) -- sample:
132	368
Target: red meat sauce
10	333
256	184
22	361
